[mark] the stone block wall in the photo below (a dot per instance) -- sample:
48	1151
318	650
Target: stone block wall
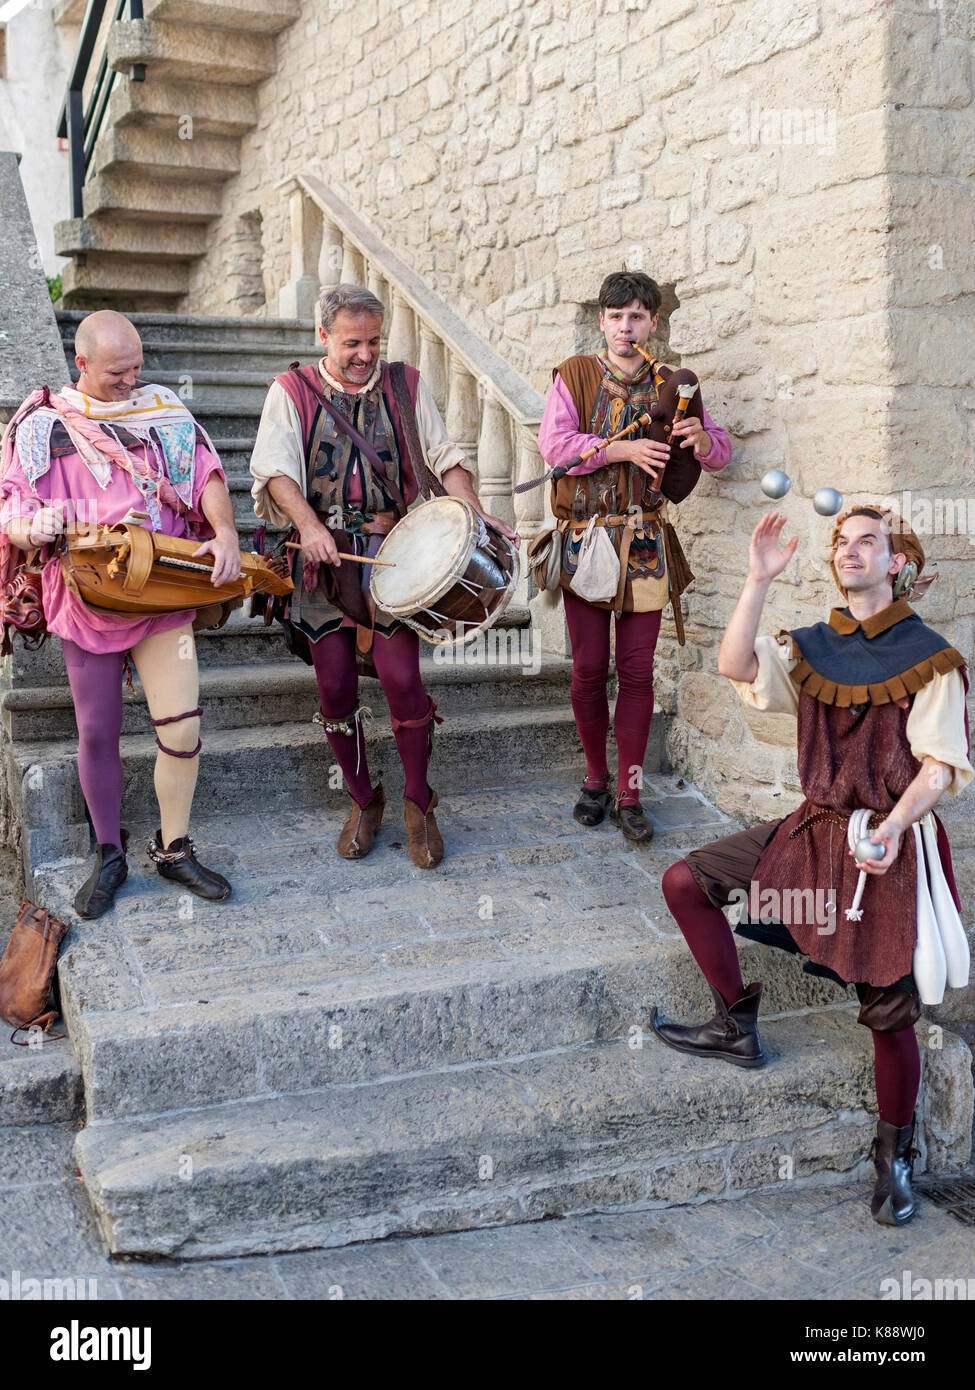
796	173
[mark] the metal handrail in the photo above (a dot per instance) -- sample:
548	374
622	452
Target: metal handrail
79	125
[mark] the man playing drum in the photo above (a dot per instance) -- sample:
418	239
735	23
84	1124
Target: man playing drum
87	457
592	397
332	453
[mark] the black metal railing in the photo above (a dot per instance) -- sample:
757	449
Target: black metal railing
81	121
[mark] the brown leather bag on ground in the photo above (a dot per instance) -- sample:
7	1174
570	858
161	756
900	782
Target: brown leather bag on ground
27	984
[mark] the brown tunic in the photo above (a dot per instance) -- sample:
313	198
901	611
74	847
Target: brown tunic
848	758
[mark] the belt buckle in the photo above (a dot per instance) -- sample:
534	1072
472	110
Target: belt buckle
355	521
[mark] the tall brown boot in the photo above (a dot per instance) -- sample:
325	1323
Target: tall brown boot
359	831
426	842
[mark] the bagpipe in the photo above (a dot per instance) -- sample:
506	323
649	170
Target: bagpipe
678	398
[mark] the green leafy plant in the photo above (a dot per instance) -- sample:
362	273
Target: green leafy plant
54	287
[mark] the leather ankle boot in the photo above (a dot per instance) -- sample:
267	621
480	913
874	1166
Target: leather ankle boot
732	1034
359	831
592	805
632	822
893	1157
178	862
97	894
426	842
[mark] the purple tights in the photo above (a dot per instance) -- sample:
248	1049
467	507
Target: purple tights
96	688
397	661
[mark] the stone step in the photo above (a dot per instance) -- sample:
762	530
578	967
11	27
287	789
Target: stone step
266	359
285	691
285	767
237	16
148	152
555	935
110	195
96	282
187	107
40	1084
178	52
133	239
195	330
525	1138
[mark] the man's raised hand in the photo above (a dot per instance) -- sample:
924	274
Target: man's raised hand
766	558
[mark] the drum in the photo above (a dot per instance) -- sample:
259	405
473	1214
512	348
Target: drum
453	576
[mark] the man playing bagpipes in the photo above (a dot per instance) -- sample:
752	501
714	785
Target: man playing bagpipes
622	488
858	879
342	451
85	458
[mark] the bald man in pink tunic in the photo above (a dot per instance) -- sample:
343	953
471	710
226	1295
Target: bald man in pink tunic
90	456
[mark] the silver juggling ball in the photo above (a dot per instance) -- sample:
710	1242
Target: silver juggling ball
828	501
776	484
865	850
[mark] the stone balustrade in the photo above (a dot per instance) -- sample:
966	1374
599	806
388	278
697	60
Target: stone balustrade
490	411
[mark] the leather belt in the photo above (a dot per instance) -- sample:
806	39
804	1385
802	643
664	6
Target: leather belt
840	818
365	523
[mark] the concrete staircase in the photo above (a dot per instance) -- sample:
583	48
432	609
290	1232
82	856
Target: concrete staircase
178	130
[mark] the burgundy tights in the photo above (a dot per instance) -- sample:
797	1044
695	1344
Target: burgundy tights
897	1061
96	689
636	639
397	661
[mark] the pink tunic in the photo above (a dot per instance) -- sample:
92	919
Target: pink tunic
69	480
560	440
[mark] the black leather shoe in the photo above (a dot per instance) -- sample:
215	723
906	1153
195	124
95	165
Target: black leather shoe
179	863
893	1157
592	805
96	896
632	822
731	1035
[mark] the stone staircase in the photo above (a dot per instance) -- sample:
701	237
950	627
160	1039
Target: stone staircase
177	132
257	696
344	1052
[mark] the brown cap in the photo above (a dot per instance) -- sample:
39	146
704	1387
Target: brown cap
902	538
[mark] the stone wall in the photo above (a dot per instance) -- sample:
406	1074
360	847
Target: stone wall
796	172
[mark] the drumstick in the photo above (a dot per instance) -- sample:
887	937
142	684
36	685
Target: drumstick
343	555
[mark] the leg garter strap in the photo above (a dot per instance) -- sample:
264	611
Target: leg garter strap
417	723
348	726
175	719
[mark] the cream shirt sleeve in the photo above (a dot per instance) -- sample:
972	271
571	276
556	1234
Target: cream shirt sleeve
772	690
278	453
936	727
440	451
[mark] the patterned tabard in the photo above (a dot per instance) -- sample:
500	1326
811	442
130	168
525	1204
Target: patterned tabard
612	490
344	489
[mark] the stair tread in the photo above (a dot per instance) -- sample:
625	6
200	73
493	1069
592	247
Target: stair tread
604	1100
220	741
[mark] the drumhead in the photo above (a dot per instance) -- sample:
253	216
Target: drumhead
430	547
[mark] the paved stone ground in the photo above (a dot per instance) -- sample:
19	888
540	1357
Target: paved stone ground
808	1245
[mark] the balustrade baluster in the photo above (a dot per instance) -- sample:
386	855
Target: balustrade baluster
495	458
402	332
353	270
461	418
433	365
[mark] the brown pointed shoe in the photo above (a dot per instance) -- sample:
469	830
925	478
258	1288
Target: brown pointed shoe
426	842
359	831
